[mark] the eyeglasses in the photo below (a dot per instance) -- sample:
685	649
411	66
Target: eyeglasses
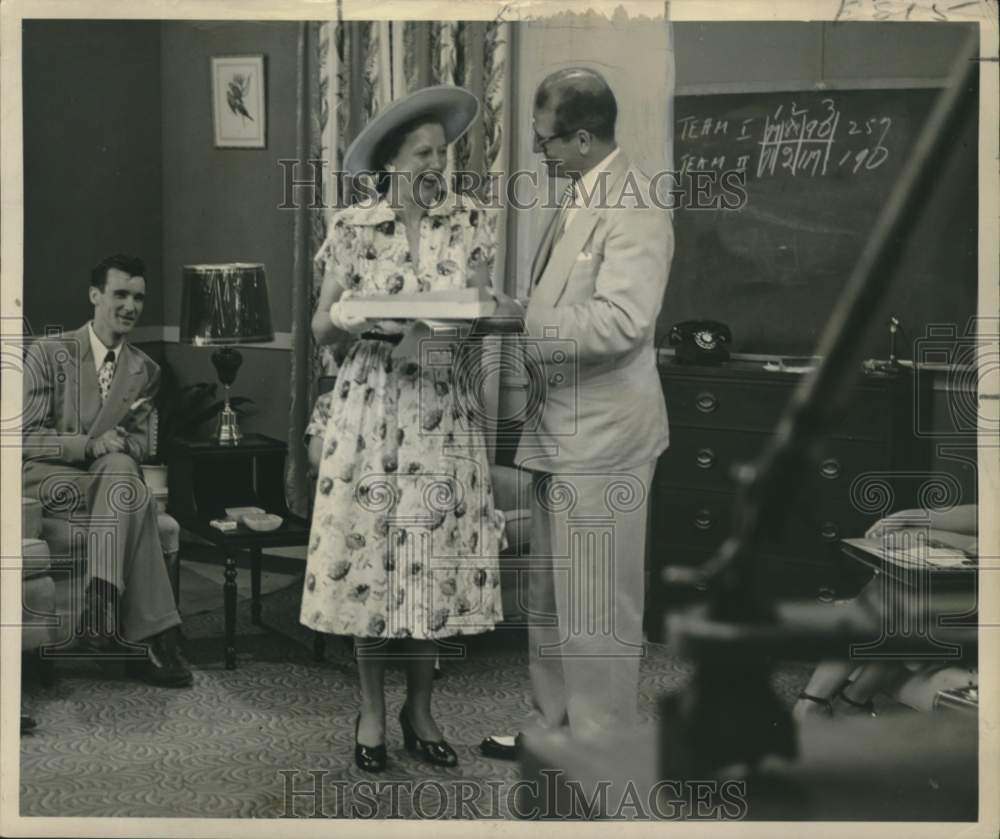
540	141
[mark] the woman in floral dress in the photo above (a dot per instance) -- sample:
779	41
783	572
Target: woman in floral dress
405	536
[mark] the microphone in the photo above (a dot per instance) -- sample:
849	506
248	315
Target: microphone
893	324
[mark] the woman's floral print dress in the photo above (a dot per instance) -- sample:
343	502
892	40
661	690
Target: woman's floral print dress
405	537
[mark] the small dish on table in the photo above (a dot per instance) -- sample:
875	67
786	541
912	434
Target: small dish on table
262	522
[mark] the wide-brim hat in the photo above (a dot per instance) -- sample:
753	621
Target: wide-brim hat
453	107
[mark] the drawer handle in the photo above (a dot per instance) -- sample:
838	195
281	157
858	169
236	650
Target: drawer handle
706	402
703	519
705	458
830	469
829	531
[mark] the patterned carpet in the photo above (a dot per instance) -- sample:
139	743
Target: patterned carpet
239	742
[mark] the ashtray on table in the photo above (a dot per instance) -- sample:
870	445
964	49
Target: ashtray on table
263	522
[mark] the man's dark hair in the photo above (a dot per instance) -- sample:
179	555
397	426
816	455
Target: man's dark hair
580	98
131	265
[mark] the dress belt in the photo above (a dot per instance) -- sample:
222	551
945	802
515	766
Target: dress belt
381	336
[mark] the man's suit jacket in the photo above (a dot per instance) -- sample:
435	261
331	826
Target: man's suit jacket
591	320
62	407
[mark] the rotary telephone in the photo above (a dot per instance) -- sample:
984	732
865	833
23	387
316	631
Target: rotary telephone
701	341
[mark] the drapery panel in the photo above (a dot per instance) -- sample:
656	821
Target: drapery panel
348	71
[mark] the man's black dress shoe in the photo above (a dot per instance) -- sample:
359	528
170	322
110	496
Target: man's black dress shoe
369	758
491	747
163	665
438	752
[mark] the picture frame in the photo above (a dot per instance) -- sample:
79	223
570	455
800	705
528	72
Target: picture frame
239	101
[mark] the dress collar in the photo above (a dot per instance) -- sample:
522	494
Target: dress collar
369	214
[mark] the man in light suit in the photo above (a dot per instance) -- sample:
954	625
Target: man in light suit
88	395
598	282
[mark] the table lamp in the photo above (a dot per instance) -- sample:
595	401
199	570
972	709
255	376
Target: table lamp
226	305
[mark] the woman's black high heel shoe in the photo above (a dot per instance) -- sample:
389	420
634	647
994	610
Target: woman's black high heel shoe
825	704
438	753
864	707
369	758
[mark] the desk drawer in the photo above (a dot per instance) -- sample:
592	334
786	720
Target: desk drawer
753	406
701	520
838	463
759	405
780	578
704	458
813	533
707	459
695	520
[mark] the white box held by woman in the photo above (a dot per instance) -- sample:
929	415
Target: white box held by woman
451	304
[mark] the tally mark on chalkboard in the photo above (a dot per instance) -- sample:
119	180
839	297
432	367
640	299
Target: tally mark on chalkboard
798	142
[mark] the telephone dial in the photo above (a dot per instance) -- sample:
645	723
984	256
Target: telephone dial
701	341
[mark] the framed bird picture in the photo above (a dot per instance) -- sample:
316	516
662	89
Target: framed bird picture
239	101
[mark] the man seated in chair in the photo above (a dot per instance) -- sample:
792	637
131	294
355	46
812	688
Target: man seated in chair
88	395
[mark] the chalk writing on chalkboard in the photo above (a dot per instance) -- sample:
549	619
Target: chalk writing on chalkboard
818	167
799	140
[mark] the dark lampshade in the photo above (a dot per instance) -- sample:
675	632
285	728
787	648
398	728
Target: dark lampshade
225	305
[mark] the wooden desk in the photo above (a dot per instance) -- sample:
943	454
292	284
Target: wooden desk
723	417
204	479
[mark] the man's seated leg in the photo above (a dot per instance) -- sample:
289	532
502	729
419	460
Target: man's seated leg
129	598
148	611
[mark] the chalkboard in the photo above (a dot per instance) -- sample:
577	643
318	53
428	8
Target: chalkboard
819	167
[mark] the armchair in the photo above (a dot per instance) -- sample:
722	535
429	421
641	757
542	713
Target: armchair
55	563
511	494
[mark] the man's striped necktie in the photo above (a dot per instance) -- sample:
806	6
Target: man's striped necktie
565	202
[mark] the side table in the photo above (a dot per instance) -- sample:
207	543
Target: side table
204	479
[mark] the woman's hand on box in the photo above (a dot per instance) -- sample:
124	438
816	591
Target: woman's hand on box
345	322
389	327
355	325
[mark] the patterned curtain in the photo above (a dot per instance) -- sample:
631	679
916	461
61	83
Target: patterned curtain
348	71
